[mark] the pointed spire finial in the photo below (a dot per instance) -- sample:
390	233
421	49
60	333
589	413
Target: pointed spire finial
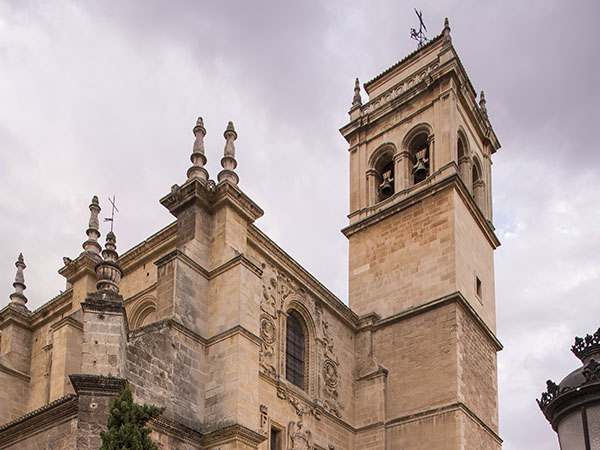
228	161
18	297
356	101
446	30
91	246
482	106
108	270
198	157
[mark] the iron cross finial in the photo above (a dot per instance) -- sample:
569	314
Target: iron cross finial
419	36
111	219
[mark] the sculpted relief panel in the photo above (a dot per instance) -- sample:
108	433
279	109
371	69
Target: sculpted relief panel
280	293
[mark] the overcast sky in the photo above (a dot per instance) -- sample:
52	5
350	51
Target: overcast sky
98	99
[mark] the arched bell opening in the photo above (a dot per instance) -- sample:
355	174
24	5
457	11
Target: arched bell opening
463	158
419	155
385	177
478	186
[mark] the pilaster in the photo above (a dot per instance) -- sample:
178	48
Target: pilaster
94	393
104	335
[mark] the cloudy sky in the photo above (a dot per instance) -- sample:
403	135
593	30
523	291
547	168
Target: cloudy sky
98	99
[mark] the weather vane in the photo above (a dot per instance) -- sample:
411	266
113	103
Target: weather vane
419	36
111	219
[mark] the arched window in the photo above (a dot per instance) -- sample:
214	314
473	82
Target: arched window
477	183
295	350
143	313
419	153
385	176
463	158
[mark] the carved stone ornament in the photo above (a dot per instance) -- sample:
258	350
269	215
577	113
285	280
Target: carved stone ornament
268	323
268	337
329	369
299	439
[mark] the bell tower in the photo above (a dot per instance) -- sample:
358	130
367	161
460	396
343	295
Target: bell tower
421	247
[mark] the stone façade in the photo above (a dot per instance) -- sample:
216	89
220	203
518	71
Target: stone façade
194	317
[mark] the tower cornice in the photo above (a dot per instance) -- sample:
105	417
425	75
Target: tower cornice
446	178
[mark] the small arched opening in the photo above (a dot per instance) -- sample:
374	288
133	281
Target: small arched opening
478	186
385	177
418	149
463	158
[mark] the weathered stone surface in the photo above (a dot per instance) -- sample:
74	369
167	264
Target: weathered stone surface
200	323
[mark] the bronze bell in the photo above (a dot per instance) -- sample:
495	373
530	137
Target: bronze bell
386	188
420	171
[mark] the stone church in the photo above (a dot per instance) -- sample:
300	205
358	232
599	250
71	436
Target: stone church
246	349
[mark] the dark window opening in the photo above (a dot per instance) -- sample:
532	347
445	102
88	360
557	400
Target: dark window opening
294	351
275	439
478	287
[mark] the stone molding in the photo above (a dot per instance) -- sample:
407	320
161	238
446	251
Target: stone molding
12	372
68	320
18	315
211	198
206	342
79	267
97	385
60	410
455	297
209	274
233	433
145	249
417	193
104	302
171	428
54	307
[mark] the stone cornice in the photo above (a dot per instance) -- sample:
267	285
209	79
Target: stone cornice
104	302
148	248
397	67
18	315
327	298
179	255
53	307
56	412
97	385
237	330
211	197
81	266
455	297
177	430
69	320
239	259
439	181
233	433
228	193
418	81
12	372
172	323
450	408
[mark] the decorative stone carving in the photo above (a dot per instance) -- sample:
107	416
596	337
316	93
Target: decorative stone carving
299	439
268	320
329	369
299	407
264	419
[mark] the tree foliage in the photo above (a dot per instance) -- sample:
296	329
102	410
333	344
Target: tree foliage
126	424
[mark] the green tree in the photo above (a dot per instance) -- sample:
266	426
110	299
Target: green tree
126	424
